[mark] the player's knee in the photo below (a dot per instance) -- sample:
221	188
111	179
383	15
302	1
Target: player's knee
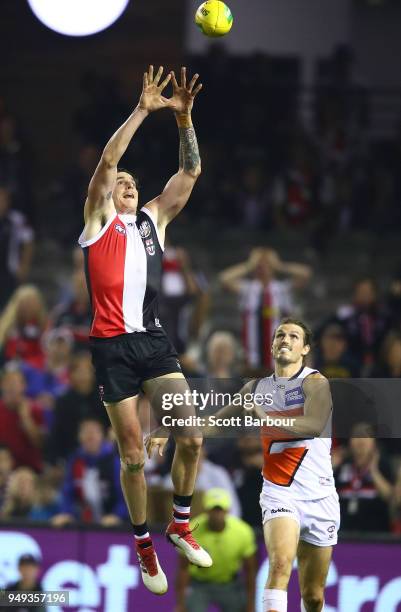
133	462
280	565
313	599
129	441
190	445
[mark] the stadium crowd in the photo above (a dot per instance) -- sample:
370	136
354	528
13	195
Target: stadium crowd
58	460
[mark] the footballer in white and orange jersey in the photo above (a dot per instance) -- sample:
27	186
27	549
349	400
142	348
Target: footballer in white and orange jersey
300	506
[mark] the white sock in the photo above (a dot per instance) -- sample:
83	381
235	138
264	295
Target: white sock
274	599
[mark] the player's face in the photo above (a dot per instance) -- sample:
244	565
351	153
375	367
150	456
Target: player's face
125	194
288	344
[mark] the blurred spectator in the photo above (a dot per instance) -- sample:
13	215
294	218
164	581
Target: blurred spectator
363	482
210	475
92	491
179	288
231	543
264	299
29	569
22	325
366	323
20	494
103	109
80	401
47	502
21	421
6	467
252	201
294	193
15	167
222	354
393	301
75	314
333	358
247	476
66	196
389	364
47	383
16	247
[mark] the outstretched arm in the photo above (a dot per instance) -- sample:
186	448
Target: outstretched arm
177	191
99	201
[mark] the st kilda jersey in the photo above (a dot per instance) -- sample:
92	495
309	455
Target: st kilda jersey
123	264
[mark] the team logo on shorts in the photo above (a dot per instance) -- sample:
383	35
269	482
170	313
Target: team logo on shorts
101	391
150	247
119	228
145	229
331	531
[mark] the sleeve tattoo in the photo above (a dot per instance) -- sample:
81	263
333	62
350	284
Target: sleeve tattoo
189	151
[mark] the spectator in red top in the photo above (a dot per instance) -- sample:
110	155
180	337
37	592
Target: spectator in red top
21	422
22	325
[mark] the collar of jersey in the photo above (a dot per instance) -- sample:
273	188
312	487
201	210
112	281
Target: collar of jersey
293	376
127	217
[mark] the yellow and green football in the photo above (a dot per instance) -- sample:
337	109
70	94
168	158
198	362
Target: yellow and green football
214	18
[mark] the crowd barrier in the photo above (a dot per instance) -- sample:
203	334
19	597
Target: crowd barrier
100	570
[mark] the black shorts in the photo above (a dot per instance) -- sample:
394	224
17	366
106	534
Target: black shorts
123	363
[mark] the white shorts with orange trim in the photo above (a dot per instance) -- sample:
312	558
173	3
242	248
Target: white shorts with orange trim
318	520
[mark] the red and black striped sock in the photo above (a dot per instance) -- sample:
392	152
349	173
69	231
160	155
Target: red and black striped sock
181	509
142	536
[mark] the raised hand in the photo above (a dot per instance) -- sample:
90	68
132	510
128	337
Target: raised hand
151	98
183	95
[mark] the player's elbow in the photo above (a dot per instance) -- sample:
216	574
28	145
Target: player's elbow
194	171
108	159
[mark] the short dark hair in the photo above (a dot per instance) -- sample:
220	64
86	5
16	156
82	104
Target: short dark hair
131	174
308	334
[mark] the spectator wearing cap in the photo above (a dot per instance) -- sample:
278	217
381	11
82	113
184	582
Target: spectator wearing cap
231	543
29	569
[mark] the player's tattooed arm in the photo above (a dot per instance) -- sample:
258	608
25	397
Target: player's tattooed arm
189	158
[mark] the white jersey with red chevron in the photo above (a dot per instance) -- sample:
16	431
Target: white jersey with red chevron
298	468
123	264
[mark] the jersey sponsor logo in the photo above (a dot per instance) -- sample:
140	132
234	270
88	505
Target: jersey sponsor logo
275	511
325	481
294	397
145	229
150	247
120	228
